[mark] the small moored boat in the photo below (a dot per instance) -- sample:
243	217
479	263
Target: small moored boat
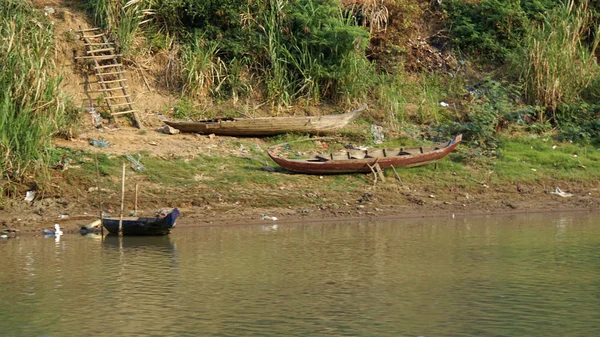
142	226
353	161
268	126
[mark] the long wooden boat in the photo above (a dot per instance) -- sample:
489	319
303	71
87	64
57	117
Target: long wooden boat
142	226
353	161
268	126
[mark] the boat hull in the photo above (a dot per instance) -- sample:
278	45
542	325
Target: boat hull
365	164
268	126
142	226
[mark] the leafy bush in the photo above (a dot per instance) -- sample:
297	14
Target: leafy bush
579	122
492	28
484	117
305	48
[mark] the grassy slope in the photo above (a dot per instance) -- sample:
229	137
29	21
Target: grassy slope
215	183
237	178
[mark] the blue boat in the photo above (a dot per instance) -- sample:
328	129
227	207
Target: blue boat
142	226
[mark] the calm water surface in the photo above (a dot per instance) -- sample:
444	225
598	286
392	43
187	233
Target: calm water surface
525	275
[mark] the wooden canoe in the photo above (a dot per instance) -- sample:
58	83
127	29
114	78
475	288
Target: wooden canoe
142	226
353	161
269	126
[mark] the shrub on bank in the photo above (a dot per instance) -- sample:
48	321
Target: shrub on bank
309	49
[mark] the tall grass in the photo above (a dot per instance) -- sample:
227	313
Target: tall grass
122	17
392	100
31	107
204	72
308	49
239	79
558	66
402	98
277	79
313	51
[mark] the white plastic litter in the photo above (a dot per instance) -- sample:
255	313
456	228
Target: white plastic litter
136	164
560	193
377	132
29	195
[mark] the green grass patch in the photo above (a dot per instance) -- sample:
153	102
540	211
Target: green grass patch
442	174
174	172
535	160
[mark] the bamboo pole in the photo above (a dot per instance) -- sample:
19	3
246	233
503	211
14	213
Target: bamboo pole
99	192
122	199
136	198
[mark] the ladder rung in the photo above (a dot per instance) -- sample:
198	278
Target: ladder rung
104	82
89	30
123	112
116	97
113	73
108	66
115	89
97	43
93	36
121	104
99	57
112	81
100	50
108	89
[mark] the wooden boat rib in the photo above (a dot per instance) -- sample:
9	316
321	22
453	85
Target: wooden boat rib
353	161
269	126
142	226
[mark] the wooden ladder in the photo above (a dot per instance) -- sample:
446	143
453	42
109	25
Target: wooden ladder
109	75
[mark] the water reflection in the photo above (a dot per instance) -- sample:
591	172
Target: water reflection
134	243
144	271
521	275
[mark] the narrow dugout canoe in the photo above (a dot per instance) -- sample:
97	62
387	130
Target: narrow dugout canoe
353	161
269	126
142	226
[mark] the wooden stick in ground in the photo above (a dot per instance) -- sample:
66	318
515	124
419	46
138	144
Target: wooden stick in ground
397	175
380	172
136	197
122	199
99	192
374	174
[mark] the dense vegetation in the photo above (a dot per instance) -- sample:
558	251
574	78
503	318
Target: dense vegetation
31	107
548	51
300	49
538	55
535	63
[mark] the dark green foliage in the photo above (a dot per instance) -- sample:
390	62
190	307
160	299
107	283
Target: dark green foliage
537	9
485	117
492	28
318	48
579	122
303	48
320	27
220	20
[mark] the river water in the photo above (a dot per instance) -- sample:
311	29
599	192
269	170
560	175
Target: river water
518	275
